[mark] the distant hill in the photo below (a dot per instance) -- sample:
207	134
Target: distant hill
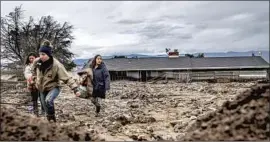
264	54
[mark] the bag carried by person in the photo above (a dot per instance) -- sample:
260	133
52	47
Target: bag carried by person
85	81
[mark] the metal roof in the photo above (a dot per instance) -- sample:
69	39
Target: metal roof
185	63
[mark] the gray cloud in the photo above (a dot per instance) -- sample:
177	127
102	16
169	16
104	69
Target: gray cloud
150	27
154	30
201	26
187	36
173	17
129	21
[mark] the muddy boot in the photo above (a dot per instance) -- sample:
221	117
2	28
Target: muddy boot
35	107
97	111
51	118
42	112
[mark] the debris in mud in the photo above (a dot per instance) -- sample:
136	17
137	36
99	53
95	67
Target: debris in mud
144	119
179	126
245	118
114	127
17	126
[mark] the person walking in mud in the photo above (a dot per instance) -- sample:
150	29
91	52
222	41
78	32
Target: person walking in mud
101	82
30	86
47	72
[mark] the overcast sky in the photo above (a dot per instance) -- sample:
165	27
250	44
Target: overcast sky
126	27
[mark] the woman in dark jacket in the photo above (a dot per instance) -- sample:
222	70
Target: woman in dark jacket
101	81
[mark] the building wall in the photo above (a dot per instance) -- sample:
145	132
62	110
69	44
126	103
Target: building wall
138	74
201	75
260	74
133	74
155	73
253	74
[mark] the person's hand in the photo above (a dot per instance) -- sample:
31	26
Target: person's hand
78	94
29	79
30	87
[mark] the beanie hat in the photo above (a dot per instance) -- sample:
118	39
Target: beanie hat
46	48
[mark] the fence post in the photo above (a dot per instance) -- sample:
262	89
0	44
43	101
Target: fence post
179	76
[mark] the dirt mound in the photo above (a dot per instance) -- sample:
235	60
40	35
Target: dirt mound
245	118
23	127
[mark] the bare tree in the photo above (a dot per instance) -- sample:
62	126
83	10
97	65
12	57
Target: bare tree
189	55
10	36
167	50
200	55
18	38
59	35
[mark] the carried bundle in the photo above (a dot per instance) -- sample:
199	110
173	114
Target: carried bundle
86	83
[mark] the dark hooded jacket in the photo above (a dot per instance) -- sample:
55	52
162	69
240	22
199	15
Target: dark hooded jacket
101	80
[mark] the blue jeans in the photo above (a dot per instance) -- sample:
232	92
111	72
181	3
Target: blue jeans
42	108
47	100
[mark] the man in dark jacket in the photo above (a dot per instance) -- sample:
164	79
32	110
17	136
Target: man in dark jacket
101	81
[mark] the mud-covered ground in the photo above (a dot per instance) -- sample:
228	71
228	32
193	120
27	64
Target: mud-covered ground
19	126
141	111
245	118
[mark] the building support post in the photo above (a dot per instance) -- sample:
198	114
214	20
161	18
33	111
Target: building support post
178	76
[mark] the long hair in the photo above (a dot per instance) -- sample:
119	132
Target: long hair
27	58
93	64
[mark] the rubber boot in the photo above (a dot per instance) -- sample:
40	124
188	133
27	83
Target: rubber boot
35	108
97	110
42	113
51	118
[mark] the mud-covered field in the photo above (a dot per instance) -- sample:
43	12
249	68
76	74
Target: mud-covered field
143	111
